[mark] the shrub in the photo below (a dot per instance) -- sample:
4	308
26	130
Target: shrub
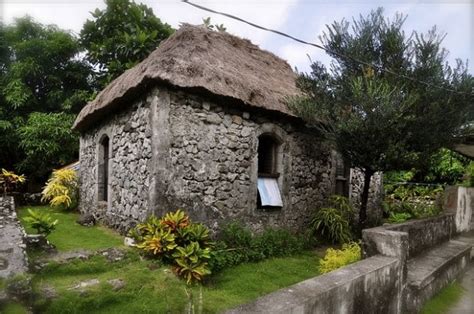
469	175
176	240
191	262
9	180
238	245
333	222
413	200
42	222
398	217
61	190
334	259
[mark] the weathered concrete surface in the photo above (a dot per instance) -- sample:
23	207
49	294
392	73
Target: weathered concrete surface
13	258
467	237
426	233
466	304
368	286
433	270
459	200
428	256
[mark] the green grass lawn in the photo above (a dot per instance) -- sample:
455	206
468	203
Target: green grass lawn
69	235
149	287
443	301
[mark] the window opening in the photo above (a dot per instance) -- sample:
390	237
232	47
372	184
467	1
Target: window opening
267	185
104	169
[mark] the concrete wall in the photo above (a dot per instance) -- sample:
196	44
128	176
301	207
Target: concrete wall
426	233
380	283
369	286
459	200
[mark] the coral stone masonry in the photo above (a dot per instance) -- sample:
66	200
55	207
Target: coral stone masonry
209	133
13	259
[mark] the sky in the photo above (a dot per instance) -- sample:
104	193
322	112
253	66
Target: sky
305	19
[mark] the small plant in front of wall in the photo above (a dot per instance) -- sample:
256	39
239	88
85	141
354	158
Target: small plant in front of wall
61	190
334	259
9	180
176	240
333	222
42	222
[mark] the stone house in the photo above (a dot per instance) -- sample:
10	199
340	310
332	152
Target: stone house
202	125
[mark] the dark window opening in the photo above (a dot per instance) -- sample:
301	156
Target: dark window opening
268	190
342	178
267	156
104	169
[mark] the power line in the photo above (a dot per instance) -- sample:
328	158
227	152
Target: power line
341	55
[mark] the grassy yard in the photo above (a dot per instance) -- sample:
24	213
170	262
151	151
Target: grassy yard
150	287
69	235
444	300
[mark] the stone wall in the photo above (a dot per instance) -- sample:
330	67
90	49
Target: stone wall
129	134
208	163
374	205
175	150
13	259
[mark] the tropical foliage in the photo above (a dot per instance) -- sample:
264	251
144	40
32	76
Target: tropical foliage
8	180
43	84
176	240
47	141
352	104
120	36
334	259
48	74
61	190
238	245
333	222
41	221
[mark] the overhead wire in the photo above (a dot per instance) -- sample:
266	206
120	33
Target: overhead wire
341	55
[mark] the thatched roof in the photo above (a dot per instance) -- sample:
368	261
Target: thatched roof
215	62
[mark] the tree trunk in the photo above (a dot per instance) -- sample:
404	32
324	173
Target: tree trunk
364	199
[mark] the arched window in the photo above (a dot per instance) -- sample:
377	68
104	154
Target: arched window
268	159
103	179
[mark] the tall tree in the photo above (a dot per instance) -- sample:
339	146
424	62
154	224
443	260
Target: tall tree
40	73
377	120
120	36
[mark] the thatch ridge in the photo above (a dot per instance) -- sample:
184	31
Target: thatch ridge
194	57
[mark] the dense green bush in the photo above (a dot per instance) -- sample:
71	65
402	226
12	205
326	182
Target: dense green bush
333	222
238	245
335	259
403	202
469	175
399	217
